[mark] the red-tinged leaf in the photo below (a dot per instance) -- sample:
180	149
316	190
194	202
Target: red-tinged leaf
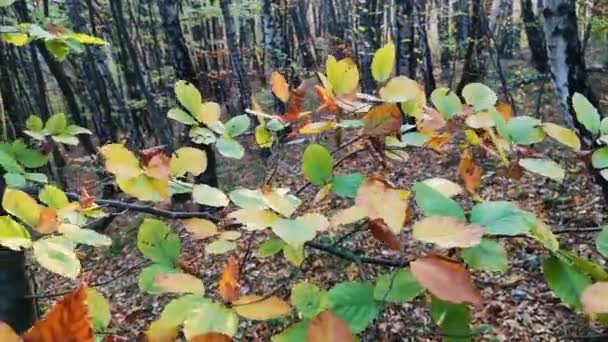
158	166
383	119
295	102
469	172
228	286
211	337
446	279
432	119
505	110
327	100
86	201
327	327
280	88
47	221
148	153
68	320
382	233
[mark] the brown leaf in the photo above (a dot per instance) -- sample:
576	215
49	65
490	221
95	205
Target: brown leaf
327	327
158	166
446	279
382	233
505	110
280	88
260	308
595	298
47	221
228	286
211	337
469	172
86	201
383	119
68	320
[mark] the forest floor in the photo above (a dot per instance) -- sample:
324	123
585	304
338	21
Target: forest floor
517	304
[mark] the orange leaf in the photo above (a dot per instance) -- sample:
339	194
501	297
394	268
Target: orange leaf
505	110
228	286
295	102
158	166
469	172
68	320
86	200
148	153
383	119
47	221
446	279
7	334
280	88
327	100
382	233
327	327
211	337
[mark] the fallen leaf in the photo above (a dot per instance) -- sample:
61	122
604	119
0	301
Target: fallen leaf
228	286
200	228
381	232
327	327
446	279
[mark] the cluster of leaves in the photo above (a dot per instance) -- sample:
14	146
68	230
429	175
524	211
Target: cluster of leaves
16	158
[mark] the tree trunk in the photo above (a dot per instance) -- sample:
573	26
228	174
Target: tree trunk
461	9
475	59
423	44
242	81
445	38
536	39
404	39
305	40
368	41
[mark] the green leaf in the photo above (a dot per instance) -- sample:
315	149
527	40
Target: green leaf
302	229
158	243
524	130
147	275
58	48
75	130
586	113
446	101
383	62
22	206
501	124
414	139
220	247
452	319
84	236
489	255
294	333
204	194
593	269
347	185
211	317
294	254
53	197
188	96
275	125
604	126
230	148
308	298
237	125
177	311
499	217
56	124
181	116
202	135
354	303
99	310
6	3
9	164
565	280
397	287
480	96
599	158
13	235
15	180
66	139
317	164
544	167
36	177
270	247
601	242
34	123
541	232
246	198
433	203
57	256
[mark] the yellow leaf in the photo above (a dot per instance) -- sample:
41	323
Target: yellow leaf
322	194
200	228
188	159
209	113
280	202
383	62
401	89
348	215
207	195
383	119
447	232
377	200
263	136
17	39
145	188
317	127
7	334
179	283
120	161
343	75
280	88
254	218
444	186
261	308
21	205
162	332
480	120
563	135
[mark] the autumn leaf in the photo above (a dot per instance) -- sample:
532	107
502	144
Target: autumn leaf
447	232
47	221
158	166
381	232
200	228
327	327
7	334
85	200
211	337
228	286
260	307
383	119
595	298
179	283
446	279
505	110
68	320
469	172
280	88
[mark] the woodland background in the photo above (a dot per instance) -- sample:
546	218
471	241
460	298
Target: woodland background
228	49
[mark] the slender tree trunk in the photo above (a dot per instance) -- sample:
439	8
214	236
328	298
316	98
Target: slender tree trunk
423	44
445	37
368	42
242	81
536	39
404	39
475	60
302	30
461	9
